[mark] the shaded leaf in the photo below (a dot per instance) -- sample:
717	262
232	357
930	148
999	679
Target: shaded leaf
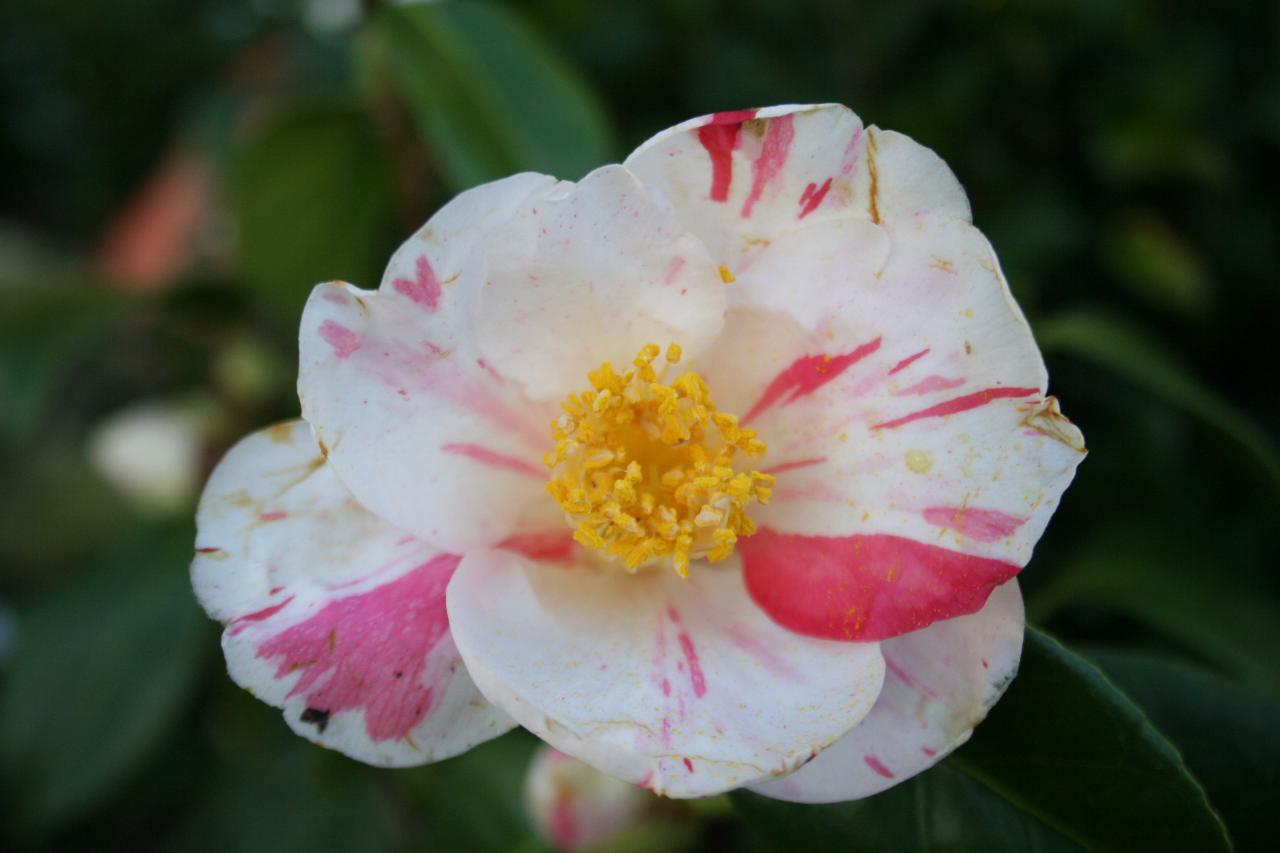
1064	761
312	193
1068	747
1115	345
101	672
1159	577
1229	737
489	96
491	814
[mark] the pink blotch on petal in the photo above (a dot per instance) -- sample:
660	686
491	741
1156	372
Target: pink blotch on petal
373	648
273	516
688	765
864	587
340	339
959	404
932	382
878	766
929	752
494	459
984	525
806	375
721	136
909	360
424	289
812	197
241	622
551	546
793	465
696	678
773	156
563	824
673	269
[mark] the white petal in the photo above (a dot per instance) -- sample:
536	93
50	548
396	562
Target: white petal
422	430
940	684
682	686
916	395
588	274
741	180
331	614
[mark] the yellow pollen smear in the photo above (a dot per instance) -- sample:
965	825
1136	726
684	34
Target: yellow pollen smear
645	469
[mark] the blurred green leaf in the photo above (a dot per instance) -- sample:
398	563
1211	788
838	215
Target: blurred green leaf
490	815
1158	264
101	672
1113	344
1066	746
1064	757
942	809
312	193
489	96
42	331
1159	577
290	797
1229	737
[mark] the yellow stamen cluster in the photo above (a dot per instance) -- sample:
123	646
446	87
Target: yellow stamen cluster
644	470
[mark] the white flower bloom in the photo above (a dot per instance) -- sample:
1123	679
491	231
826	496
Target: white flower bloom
712	463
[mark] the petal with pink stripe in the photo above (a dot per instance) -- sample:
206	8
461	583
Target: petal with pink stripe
418	425
682	686
741	180
332	615
907	443
939	684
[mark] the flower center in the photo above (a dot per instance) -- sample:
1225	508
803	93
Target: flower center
645	469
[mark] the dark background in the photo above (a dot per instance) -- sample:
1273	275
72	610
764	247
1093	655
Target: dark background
177	175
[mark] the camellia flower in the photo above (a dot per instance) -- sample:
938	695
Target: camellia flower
713	469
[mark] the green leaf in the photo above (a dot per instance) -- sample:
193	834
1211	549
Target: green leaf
289	797
1229	737
101	672
312	193
489	96
491	815
1068	747
43	330
1158	576
1115	345
1064	761
1158	264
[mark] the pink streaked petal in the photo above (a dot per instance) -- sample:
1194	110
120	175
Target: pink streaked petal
956	405
493	459
806	375
683	686
940	684
421	431
864	588
736	179
331	614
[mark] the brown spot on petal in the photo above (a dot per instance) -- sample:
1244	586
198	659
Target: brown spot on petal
316	717
873	171
1047	418
281	433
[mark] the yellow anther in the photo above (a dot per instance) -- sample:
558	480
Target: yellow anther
645	469
726	276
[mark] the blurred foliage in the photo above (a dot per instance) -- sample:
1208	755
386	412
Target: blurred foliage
1115	154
